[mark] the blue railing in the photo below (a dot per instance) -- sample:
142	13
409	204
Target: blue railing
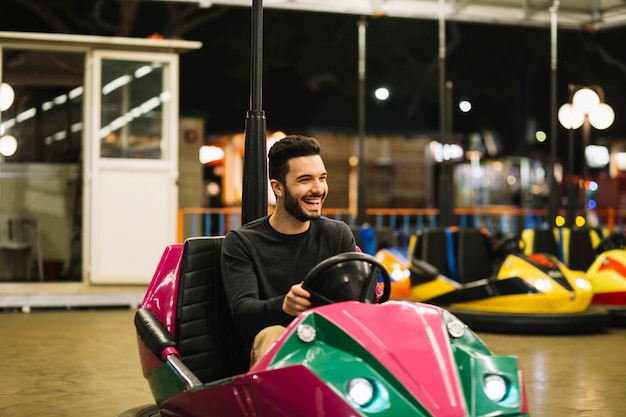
507	220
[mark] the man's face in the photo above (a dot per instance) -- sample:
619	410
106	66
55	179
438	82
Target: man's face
306	187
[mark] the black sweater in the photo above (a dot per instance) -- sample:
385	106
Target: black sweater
259	265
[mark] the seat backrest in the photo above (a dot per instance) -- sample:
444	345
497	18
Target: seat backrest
431	246
580	253
387	237
475	257
208	341
540	241
365	238
13	229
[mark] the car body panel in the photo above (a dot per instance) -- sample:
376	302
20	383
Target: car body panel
417	365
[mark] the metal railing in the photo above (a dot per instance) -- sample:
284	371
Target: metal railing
504	219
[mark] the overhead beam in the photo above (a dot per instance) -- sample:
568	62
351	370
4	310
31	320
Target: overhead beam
573	14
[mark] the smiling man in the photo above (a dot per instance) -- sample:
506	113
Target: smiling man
265	261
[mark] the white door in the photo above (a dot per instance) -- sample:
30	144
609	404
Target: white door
131	165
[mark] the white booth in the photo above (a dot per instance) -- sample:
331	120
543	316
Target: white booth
88	157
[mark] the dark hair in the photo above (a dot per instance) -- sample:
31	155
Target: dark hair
292	146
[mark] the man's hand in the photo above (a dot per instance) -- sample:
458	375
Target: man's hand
296	301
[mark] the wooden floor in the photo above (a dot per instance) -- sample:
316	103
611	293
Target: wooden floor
77	363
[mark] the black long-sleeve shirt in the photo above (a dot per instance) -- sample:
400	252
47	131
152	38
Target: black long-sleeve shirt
259	266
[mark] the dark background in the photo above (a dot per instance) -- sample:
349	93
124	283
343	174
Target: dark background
310	67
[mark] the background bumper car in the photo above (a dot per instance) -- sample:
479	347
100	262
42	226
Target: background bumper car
601	255
493	286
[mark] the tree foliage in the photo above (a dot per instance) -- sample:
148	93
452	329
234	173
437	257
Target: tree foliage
110	17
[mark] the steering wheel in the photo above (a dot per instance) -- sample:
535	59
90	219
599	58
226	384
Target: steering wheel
612	241
509	245
345	277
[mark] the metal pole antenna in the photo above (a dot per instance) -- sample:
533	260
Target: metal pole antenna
254	191
552	186
445	176
572	193
361	198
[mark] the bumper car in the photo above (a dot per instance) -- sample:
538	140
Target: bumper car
389	248
607	275
396	263
495	287
601	255
353	354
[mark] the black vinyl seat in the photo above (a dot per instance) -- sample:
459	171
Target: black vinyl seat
207	339
544	241
580	251
475	256
431	247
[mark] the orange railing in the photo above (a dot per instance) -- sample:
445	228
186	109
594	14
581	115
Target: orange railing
505	219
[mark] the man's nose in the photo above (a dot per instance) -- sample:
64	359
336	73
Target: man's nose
318	185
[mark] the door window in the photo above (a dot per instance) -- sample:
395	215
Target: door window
133	97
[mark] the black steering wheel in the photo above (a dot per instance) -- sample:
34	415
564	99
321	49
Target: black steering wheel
509	245
612	241
349	276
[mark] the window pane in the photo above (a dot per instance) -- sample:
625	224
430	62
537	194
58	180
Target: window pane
40	176
46	114
132	109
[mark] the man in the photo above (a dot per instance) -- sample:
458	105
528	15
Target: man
265	261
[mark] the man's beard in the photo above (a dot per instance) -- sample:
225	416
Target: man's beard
292	206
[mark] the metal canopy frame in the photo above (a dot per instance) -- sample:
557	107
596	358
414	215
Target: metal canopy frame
573	14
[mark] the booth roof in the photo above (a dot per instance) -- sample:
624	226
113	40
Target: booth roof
98	42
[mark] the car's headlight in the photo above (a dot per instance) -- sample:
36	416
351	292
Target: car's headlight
361	391
495	387
367	394
397	274
582	283
541	284
456	328
306	333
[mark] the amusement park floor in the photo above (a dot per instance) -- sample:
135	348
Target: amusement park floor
78	363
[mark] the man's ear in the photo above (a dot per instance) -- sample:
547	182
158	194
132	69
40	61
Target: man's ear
277	188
